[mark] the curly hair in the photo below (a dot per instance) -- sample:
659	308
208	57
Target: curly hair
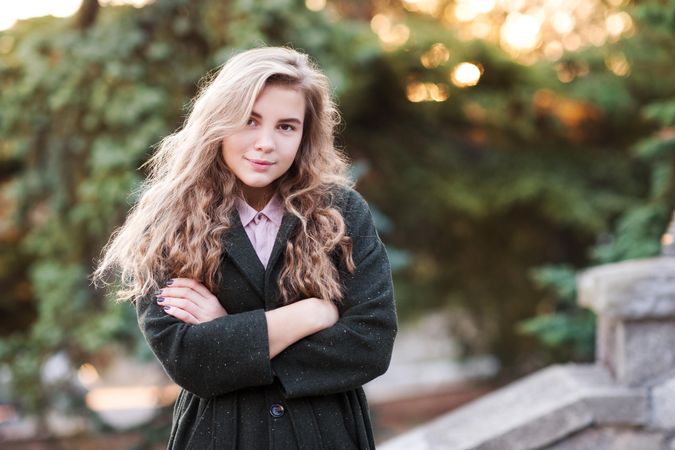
177	227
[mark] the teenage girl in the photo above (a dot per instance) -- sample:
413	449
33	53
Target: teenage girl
259	280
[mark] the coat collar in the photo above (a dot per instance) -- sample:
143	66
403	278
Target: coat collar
241	251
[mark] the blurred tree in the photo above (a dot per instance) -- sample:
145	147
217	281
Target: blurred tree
636	86
81	108
86	16
486	181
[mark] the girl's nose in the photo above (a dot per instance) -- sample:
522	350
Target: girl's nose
264	142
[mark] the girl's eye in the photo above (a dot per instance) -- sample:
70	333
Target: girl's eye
289	127
250	121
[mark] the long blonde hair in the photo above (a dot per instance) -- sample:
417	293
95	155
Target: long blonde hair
176	228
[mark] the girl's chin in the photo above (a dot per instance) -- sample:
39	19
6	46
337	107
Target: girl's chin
256	184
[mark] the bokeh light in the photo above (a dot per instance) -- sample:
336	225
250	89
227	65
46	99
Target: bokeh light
13	11
618	64
520	32
135	3
426	92
315	5
619	23
87	374
467	10
391	34
526	29
435	56
465	74
424	6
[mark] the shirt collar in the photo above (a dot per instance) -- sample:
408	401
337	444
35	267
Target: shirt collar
274	210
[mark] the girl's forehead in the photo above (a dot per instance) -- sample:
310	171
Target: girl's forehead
280	100
281	88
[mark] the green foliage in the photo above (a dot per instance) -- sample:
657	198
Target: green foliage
567	329
79	111
661	112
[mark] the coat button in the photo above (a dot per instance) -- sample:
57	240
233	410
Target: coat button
277	410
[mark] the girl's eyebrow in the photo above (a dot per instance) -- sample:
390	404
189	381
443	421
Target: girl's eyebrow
290	119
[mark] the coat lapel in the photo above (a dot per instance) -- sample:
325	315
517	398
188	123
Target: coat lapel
288	223
241	252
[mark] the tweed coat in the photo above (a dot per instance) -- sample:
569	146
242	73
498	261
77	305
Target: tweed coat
308	397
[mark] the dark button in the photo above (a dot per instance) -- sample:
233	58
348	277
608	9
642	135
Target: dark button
277	410
260	216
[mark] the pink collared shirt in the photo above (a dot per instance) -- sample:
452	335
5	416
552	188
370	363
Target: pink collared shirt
261	227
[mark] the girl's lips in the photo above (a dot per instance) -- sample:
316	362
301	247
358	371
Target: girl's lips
259	164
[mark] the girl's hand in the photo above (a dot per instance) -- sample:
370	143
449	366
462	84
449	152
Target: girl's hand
189	301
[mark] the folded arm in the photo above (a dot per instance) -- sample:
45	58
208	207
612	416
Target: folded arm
208	352
358	347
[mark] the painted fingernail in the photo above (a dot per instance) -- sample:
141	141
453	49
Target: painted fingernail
166	308
170	282
160	299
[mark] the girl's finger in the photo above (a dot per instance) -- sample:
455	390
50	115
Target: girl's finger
183	293
192	284
181	303
181	314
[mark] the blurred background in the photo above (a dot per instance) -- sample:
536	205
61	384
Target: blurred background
503	145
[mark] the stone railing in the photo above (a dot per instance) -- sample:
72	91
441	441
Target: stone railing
625	401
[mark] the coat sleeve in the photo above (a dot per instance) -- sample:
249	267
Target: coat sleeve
358	347
211	358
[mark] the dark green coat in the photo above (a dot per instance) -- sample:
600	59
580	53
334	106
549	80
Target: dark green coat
307	397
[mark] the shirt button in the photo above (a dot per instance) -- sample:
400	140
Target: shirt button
277	410
260	216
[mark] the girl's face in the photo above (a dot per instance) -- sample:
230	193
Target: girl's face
264	149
